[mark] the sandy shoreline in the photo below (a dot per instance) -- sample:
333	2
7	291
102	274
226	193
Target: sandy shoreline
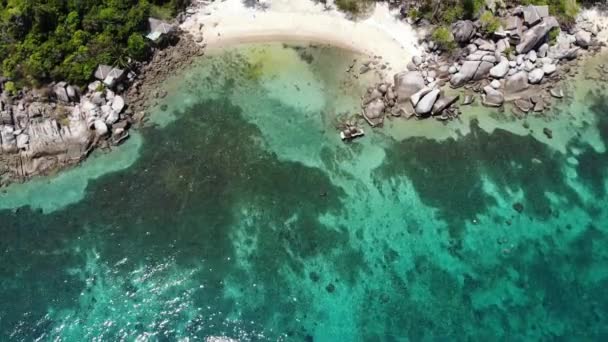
230	22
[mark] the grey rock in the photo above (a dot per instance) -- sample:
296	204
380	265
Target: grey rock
468	99
517	82
23	141
493	97
118	104
535	76
500	70
453	70
112	117
61	93
583	38
542	50
7	139
548	69
407	83
101	129
531	17
489	58
72	93
478	55
520	60
98	98
557	93
425	105
463	31
486	45
495	84
414	99
374	112
443	102
524	105
502	45
466	73
568	54
531	56
472	48
483	70
532	37
529	66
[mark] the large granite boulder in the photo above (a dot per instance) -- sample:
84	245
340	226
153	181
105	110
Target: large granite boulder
500	70
8	143
534	14
443	102
463	31
492	97
535	76
425	105
408	83
60	92
483	70
374	112
536	35
517	82
118	103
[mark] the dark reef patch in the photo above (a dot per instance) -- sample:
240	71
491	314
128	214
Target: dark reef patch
181	199
592	167
448	175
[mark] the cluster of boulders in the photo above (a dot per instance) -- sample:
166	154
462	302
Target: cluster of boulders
413	93
518	55
44	129
520	62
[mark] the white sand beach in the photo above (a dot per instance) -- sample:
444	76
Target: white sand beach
231	22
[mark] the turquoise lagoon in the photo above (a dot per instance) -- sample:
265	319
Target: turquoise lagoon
238	212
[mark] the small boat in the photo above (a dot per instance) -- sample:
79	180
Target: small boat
351	132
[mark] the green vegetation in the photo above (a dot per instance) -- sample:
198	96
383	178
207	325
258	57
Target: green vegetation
447	11
353	7
489	23
43	40
565	10
444	38
553	35
10	87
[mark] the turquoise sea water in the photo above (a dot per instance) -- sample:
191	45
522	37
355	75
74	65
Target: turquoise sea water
240	213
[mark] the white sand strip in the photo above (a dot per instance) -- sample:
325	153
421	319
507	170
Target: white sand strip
230	22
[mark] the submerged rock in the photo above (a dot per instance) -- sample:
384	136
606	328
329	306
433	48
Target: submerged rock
518	207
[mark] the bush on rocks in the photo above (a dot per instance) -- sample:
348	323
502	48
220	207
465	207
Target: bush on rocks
443	37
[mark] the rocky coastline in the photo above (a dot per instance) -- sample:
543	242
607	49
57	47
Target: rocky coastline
519	65
45	130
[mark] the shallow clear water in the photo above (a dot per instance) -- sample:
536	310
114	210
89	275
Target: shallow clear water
240	213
